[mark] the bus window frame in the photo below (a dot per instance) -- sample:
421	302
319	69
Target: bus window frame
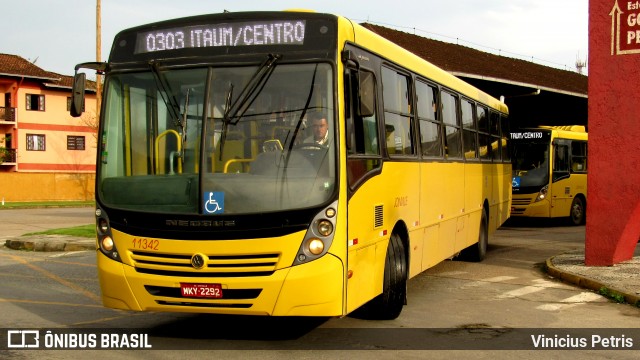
458	125
437	121
557	175
352	111
473	129
410	114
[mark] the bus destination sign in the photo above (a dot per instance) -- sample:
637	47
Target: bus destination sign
286	32
526	135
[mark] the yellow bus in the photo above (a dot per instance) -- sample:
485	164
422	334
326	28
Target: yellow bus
550	173
288	164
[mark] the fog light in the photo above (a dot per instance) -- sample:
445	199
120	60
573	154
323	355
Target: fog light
325	227
107	243
316	246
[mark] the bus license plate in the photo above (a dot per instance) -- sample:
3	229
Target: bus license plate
213	291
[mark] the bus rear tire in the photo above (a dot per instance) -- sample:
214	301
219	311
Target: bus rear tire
577	212
478	251
388	305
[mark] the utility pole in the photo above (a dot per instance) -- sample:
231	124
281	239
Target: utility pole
98	58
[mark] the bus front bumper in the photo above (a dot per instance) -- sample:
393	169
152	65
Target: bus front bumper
533	209
312	289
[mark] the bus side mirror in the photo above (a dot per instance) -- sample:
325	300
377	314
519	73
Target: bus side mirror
77	94
366	95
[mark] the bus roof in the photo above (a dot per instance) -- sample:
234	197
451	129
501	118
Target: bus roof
573	132
572	128
358	34
399	55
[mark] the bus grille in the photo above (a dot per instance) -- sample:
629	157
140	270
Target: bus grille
215	265
378	216
520	202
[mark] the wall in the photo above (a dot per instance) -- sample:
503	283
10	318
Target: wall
613	204
16	187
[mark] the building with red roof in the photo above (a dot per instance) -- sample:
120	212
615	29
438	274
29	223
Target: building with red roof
45	154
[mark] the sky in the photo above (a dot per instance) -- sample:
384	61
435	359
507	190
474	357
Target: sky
58	34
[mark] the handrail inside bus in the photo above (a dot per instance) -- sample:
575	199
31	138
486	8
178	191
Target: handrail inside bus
176	153
232	161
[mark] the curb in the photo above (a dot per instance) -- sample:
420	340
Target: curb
47	245
584	282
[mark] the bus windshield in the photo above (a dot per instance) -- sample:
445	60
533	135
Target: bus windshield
218	140
530	161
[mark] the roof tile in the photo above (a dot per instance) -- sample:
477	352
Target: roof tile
465	60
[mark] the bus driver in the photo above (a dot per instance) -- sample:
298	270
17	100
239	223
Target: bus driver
320	128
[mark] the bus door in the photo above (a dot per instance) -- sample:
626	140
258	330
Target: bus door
561	191
363	162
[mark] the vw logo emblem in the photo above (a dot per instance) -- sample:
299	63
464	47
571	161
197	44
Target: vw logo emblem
197	261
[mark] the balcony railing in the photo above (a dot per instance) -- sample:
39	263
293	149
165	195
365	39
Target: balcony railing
7	156
7	114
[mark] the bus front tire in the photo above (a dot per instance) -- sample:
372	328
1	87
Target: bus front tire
388	305
576	216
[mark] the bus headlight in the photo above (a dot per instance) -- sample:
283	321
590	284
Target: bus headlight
325	227
542	194
319	236
106	243
315	246
105	239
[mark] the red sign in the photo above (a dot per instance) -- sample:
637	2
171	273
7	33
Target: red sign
625	27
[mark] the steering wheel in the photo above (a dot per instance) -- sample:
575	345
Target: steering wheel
309	146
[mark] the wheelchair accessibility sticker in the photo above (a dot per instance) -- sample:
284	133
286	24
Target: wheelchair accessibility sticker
515	182
213	202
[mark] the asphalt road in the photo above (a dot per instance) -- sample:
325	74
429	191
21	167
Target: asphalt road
498	303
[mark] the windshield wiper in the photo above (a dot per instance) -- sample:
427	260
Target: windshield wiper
184	117
250	92
225	118
171	102
234	112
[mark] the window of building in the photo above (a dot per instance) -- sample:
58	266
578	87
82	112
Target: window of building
36	142
35	102
75	142
69	103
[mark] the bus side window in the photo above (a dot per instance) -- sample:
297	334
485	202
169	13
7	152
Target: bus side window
364	150
453	135
398	115
430	124
560	161
578	156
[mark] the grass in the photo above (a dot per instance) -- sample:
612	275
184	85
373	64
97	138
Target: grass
44	204
611	294
88	231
